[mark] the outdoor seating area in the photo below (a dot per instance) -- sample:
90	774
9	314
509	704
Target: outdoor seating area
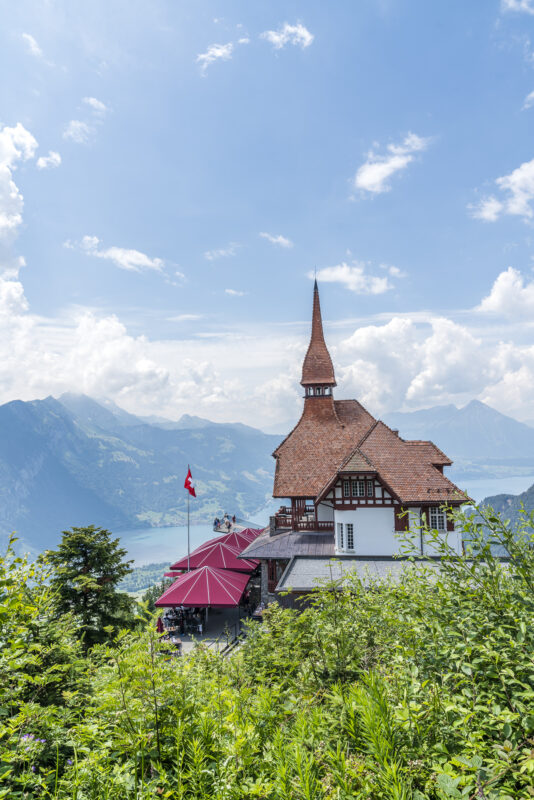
210	580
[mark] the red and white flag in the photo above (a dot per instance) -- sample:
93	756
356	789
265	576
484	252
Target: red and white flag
189	484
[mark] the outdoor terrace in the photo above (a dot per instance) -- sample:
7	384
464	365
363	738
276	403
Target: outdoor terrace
304	519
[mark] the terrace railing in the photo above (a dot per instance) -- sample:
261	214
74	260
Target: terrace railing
289	519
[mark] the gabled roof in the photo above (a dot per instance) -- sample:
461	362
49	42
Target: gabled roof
340	435
409	468
325	435
357	462
317	367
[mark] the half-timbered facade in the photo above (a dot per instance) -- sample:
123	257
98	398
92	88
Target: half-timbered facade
350	485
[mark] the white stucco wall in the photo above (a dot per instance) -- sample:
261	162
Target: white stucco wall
374	530
453	539
325	512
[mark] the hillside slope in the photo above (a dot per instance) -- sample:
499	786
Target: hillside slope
74	461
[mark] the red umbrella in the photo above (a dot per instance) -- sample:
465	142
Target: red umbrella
240	539
219	555
205	587
172	574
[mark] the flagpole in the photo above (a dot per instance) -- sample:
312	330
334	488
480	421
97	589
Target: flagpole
188	497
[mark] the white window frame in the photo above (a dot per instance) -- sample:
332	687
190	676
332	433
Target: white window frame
370	488
437	518
350	536
346	488
340	537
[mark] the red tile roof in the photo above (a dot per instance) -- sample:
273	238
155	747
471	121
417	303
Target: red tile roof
317	367
324	437
340	435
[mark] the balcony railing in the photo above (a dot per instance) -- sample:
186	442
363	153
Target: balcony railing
287	519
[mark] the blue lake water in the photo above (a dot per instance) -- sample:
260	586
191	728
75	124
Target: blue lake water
153	545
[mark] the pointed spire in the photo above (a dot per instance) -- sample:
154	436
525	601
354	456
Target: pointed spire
317	368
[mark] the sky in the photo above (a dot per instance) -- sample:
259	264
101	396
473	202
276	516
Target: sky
174	172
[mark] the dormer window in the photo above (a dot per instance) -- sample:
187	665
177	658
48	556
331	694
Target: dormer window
318	390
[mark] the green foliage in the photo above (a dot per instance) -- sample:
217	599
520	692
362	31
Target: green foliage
87	567
418	689
142	578
151	595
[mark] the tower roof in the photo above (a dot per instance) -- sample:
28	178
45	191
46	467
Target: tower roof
317	367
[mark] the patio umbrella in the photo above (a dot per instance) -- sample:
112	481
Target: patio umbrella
172	574
205	587
240	539
219	555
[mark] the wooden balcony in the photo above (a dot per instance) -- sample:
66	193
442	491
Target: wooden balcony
288	519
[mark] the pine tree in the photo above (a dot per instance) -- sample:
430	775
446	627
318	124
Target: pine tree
88	564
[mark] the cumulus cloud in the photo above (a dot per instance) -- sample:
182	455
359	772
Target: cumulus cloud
222	252
510	295
96	105
78	131
235	293
50	161
517	194
215	52
124	258
528	101
527	6
374	174
16	145
289	34
354	277
31	45
403	363
279	240
487	210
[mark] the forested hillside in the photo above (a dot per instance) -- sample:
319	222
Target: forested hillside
74	461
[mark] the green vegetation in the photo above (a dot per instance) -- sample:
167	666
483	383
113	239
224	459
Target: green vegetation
391	691
87	566
143	577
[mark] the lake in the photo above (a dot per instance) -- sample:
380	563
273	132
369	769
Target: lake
152	545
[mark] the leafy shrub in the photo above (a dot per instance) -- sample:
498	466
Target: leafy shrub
415	688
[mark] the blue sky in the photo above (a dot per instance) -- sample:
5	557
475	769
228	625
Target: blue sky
171	173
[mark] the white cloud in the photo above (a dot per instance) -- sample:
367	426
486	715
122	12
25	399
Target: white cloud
32	45
518	193
215	52
222	252
354	277
50	161
374	174
510	296
402	363
78	131
279	240
526	6
124	258
16	145
235	293
243	40
529	101
96	105
487	210
289	34
185	318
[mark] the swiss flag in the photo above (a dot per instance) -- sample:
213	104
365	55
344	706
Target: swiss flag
188	484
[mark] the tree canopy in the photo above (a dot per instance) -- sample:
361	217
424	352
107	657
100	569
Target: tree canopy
87	567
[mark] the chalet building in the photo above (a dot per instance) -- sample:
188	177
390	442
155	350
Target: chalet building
350	485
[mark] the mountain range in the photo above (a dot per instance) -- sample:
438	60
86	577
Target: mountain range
481	441
73	461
